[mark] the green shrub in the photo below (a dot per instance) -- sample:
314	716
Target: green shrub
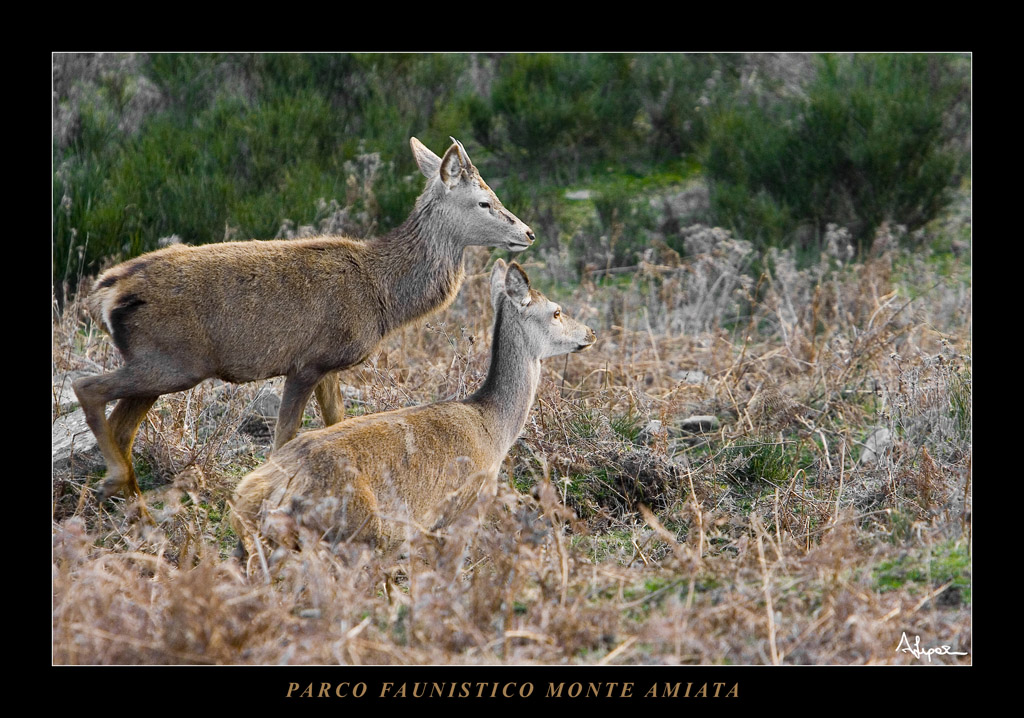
675	93
568	116
873	140
562	112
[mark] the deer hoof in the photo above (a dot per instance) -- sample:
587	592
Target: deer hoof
110	486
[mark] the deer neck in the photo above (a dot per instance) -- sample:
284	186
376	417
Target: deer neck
505	397
419	268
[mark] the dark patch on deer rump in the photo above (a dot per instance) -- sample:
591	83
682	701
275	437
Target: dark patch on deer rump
126	270
119	316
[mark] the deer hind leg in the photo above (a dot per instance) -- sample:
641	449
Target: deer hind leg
298	388
93	393
124	422
115	435
328	396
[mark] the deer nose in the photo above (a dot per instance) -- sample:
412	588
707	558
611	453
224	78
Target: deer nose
531	235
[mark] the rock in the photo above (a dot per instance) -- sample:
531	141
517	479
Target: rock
653	426
682	206
690	376
876	445
652	431
699	424
63	398
262	415
74	444
580	194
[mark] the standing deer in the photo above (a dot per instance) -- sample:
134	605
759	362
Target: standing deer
367	475
302	308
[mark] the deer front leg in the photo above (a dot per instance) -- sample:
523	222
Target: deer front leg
298	388
328	396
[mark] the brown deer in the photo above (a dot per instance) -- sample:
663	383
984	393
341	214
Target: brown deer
368	476
301	308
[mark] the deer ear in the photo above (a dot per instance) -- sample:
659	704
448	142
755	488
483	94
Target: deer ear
428	162
497	282
463	155
454	163
517	285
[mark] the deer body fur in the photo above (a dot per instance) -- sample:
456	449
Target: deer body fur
366	477
303	308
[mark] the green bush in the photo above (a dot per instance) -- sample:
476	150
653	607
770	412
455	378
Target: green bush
872	140
560	111
569	116
216	146
676	91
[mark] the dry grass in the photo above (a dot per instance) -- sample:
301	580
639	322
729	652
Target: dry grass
777	537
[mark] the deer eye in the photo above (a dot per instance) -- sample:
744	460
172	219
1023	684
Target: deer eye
558	314
485	205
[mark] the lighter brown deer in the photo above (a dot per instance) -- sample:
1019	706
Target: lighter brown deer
369	478
301	308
